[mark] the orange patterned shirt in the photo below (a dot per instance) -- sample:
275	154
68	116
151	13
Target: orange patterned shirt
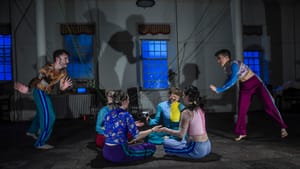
48	77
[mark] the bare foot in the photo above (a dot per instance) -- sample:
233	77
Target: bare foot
240	137
284	133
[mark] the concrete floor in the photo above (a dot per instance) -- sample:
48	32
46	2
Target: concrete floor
74	146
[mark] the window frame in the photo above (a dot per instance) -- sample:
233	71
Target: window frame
263	65
140	63
92	57
5	47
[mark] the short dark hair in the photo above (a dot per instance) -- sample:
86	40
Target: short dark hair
59	52
176	91
224	52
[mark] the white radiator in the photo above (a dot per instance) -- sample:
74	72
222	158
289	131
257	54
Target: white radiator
80	104
65	106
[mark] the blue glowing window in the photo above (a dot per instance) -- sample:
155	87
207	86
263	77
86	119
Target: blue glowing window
252	59
155	64
80	48
5	58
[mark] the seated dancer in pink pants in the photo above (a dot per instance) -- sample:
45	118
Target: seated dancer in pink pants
250	84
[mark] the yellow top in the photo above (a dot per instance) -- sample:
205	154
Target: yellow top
175	112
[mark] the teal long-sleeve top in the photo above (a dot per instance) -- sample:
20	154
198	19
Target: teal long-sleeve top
163	111
100	119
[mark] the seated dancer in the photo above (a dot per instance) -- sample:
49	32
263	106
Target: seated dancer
192	125
118	122
250	84
169	113
100	119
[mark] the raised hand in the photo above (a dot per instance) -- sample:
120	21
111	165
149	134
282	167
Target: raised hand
65	83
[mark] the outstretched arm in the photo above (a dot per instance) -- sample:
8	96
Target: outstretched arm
145	133
183	126
233	78
156	119
21	87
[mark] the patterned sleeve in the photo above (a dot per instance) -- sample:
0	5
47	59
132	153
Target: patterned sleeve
233	78
42	72
132	128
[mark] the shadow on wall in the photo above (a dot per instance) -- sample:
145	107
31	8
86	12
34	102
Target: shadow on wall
113	43
190	74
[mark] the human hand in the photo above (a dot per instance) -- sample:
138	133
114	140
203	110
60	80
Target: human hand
147	119
21	87
162	129
65	83
213	88
156	128
139	123
131	141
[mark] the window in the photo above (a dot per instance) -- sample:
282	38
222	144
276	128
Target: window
155	64
5	58
81	60
252	59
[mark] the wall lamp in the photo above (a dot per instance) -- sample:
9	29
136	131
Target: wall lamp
145	3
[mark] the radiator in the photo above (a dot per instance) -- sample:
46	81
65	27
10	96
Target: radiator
80	104
65	106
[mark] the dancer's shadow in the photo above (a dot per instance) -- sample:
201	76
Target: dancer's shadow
115	49
190	73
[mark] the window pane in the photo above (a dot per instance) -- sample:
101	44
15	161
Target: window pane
252	59
81	60
5	57
2	76
155	64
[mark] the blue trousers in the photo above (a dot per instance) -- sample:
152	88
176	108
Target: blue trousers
185	149
44	118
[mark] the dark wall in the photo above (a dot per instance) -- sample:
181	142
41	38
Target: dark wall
273	21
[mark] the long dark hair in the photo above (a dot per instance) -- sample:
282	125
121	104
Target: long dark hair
193	94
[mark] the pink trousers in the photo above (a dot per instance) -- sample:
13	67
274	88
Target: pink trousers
254	86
